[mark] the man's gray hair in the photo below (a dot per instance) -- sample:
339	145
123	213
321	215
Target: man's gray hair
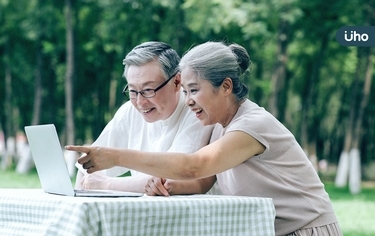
153	51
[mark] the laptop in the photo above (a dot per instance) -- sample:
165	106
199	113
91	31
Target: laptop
51	166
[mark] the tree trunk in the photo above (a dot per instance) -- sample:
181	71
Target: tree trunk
277	100
355	171
9	134
38	88
309	120
26	162
69	78
342	170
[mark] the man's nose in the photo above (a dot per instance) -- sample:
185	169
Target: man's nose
140	99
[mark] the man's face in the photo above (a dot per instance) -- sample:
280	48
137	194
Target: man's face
150	76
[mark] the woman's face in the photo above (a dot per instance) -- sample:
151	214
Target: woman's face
204	100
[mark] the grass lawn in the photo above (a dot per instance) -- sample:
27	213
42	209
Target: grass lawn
355	213
10	179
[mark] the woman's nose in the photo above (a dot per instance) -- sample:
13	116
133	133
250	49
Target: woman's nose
189	101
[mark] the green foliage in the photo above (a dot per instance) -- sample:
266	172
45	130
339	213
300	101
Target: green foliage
107	30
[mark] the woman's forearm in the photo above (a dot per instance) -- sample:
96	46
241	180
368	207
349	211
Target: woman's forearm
169	165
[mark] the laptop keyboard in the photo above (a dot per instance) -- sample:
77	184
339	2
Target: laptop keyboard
90	191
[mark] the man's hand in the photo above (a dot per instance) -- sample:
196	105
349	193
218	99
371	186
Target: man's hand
97	180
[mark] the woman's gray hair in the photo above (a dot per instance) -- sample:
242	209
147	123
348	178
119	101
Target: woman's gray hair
151	51
215	61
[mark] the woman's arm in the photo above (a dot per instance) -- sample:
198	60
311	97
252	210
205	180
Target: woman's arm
227	152
166	187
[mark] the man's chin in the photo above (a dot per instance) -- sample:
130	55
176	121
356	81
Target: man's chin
150	118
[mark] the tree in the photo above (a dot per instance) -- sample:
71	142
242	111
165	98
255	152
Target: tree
69	79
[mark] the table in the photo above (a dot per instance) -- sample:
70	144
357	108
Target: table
33	212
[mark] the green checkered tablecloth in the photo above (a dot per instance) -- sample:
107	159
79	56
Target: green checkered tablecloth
33	212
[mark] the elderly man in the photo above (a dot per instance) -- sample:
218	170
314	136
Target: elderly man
155	119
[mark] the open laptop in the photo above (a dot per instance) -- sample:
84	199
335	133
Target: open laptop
51	166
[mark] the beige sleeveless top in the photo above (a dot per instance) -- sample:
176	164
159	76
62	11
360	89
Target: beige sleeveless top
283	172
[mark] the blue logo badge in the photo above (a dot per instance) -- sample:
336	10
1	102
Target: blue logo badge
361	36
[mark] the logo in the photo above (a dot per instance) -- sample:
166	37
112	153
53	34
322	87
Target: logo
360	36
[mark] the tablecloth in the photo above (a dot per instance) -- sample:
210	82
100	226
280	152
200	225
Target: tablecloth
33	212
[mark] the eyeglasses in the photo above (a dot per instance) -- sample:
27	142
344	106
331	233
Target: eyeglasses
146	93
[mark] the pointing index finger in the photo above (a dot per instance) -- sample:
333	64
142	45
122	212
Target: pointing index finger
77	148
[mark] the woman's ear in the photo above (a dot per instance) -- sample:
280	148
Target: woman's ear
227	85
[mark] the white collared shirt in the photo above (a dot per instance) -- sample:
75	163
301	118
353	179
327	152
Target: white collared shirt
181	132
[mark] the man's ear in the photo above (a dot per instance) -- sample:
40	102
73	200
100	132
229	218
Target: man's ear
227	85
177	80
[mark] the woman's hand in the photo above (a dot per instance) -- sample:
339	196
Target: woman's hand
165	187
157	187
96	158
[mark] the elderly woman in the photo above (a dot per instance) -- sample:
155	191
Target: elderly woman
251	152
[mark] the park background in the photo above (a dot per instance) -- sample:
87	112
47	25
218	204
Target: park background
61	63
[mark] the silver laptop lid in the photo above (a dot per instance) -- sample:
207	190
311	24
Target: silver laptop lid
49	159
51	166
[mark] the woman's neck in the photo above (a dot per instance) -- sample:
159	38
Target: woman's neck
233	106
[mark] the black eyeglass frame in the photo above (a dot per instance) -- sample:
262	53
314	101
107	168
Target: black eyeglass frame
124	91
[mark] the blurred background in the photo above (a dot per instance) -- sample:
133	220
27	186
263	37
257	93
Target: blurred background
61	63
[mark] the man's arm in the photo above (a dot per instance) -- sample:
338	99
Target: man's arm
100	180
